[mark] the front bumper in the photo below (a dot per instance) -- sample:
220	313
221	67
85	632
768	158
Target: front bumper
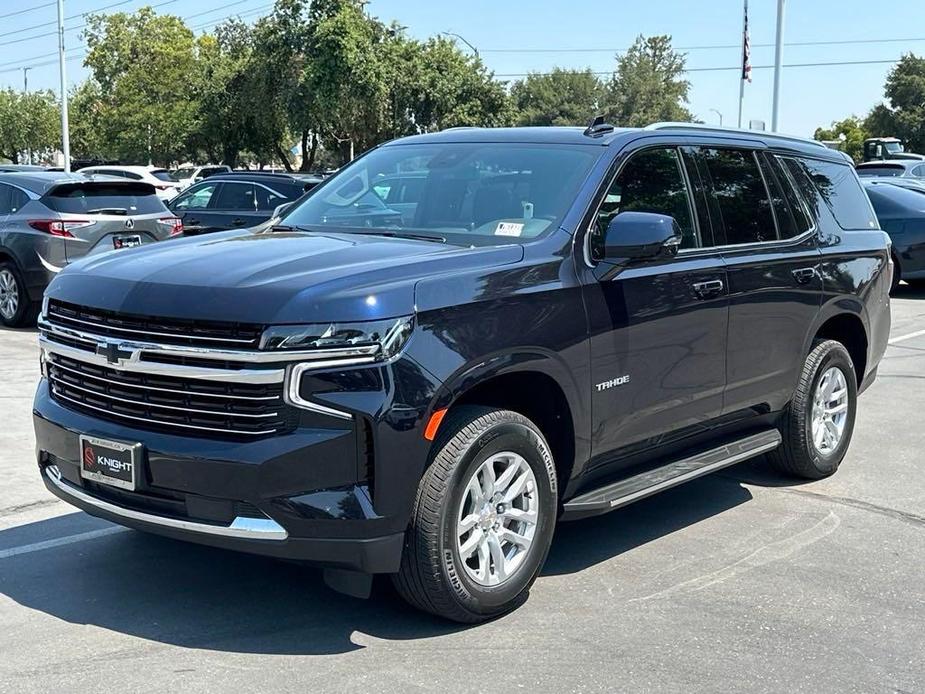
295	497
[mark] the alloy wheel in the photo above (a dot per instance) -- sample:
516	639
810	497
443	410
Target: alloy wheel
497	518
9	294
830	410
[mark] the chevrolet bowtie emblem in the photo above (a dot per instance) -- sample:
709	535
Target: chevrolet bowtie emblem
112	351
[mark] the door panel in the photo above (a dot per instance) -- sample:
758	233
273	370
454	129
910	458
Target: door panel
657	327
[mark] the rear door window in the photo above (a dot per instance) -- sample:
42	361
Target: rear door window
268	199
837	187
104	198
5	199
17	199
788	209
235	196
739	194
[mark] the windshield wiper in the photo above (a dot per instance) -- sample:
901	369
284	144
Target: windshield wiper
403	235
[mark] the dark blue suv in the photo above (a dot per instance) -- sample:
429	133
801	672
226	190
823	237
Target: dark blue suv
554	323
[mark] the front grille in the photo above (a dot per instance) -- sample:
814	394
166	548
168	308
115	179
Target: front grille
167	403
170	331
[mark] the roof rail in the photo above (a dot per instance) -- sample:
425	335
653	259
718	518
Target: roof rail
723	129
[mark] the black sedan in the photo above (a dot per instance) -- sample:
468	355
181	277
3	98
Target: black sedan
901	212
237	199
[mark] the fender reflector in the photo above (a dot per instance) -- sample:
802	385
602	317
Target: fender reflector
433	424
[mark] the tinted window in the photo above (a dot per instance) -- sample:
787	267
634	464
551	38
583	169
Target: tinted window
471	193
195	198
235	196
740	195
17	199
788	210
918	171
269	199
4	199
838	187
891	201
651	181
101	198
162	174
880	170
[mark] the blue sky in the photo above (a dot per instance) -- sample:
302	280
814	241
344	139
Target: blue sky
506	32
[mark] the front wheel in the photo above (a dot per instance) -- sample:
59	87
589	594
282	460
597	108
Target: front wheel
819	422
483	519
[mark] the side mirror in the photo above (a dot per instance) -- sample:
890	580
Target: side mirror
641	235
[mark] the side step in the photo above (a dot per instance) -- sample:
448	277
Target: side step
627	491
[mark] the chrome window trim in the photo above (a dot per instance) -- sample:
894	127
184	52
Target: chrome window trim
244	528
245	356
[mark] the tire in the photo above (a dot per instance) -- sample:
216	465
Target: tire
897	275
16	309
434	575
801	453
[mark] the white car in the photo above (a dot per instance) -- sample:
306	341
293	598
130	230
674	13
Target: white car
188	175
166	185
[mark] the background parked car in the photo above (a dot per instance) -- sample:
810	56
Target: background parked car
914	170
188	175
165	185
901	213
237	199
48	220
11	168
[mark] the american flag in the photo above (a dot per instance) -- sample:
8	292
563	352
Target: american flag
746	50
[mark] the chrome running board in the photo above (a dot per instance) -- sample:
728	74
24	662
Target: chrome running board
243	528
640	486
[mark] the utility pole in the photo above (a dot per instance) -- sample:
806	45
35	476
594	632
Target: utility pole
65	135
25	90
778	58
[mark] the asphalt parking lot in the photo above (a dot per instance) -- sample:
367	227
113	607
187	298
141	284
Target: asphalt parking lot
741	581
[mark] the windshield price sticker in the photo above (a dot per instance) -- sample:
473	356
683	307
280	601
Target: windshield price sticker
508	229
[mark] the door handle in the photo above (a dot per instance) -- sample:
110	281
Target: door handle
804	275
191	222
708	289
237	221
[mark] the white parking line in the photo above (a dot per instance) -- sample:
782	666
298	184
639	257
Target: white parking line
58	542
908	336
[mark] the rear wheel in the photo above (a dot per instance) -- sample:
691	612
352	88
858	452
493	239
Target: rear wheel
483	519
820	419
16	309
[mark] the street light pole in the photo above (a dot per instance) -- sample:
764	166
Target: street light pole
778	58
720	116
25	90
65	135
457	36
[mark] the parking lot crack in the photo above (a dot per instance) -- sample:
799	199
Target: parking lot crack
904	516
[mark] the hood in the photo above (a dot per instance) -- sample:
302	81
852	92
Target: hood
269	278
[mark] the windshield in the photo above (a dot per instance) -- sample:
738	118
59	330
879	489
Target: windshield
473	193
879	171
894	147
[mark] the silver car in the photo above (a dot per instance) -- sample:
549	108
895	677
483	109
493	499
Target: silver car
49	219
894	168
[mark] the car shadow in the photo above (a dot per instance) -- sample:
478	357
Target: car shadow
28	329
907	291
199	597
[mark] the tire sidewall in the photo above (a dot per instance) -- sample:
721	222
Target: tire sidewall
827	463
521	439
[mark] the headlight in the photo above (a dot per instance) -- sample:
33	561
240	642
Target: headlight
377	339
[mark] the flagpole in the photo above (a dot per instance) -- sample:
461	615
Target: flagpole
742	71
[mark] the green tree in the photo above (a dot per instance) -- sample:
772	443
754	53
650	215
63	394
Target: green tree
88	128
147	68
28	122
854	133
648	85
562	97
904	117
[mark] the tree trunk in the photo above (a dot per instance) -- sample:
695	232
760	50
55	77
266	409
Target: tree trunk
302	166
281	153
308	158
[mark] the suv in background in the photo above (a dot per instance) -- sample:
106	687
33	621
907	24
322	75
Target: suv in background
48	220
567	320
237	199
